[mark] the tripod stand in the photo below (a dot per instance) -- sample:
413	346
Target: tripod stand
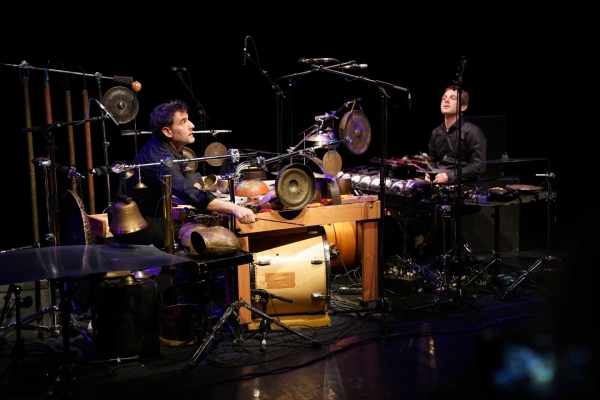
549	202
234	309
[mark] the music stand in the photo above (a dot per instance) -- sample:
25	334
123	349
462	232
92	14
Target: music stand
63	264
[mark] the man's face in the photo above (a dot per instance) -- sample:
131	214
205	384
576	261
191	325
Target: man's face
449	102
181	132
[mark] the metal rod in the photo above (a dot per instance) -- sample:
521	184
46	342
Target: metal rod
281	222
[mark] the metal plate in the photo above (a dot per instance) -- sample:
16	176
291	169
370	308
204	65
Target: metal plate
122	104
295	186
356	126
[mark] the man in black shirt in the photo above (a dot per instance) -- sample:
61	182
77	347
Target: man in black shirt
443	143
172	130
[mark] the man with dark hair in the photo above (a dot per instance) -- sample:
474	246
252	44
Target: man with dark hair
172	130
443	143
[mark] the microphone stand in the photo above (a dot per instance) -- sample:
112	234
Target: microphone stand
383	150
291	84
105	143
201	112
279	96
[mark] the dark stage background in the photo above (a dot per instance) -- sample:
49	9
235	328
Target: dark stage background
511	72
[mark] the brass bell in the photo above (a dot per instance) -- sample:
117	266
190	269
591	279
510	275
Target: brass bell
140	185
126	217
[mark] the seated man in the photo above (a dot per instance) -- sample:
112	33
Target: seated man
172	130
443	151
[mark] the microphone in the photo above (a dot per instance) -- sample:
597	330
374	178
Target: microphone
315	60
347	104
409	102
325	117
71	172
100	171
355	66
107	112
178	69
548	175
245	53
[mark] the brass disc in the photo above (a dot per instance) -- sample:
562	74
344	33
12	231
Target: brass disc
189	153
295	186
332	163
356	126
215	149
121	103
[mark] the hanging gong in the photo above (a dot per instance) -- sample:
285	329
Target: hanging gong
332	163
215	149
189	153
121	103
356	126
295	186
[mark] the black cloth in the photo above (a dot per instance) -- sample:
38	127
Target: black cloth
150	200
472	155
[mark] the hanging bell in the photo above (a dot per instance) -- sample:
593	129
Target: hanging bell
126	217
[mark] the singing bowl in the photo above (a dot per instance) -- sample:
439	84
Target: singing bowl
251	188
223	185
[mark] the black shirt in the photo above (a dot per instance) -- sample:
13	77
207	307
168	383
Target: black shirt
149	200
472	155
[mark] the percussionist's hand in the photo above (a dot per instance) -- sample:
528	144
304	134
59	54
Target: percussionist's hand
244	215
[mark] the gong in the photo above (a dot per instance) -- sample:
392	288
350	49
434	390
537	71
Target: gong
122	104
295	186
356	126
215	149
189	153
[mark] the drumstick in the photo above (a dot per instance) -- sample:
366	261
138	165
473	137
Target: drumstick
281	222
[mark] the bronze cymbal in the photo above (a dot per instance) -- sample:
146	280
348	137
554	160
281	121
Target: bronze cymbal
121	103
356	126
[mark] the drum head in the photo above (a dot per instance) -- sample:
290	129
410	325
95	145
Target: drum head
74	224
295	186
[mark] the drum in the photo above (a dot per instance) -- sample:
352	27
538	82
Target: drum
74	229
294	266
342	241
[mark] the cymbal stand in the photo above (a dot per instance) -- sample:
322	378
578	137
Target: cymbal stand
525	275
265	326
234	308
492	265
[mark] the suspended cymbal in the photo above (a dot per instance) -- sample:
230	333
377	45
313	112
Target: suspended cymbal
213	150
356	126
189	153
121	103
